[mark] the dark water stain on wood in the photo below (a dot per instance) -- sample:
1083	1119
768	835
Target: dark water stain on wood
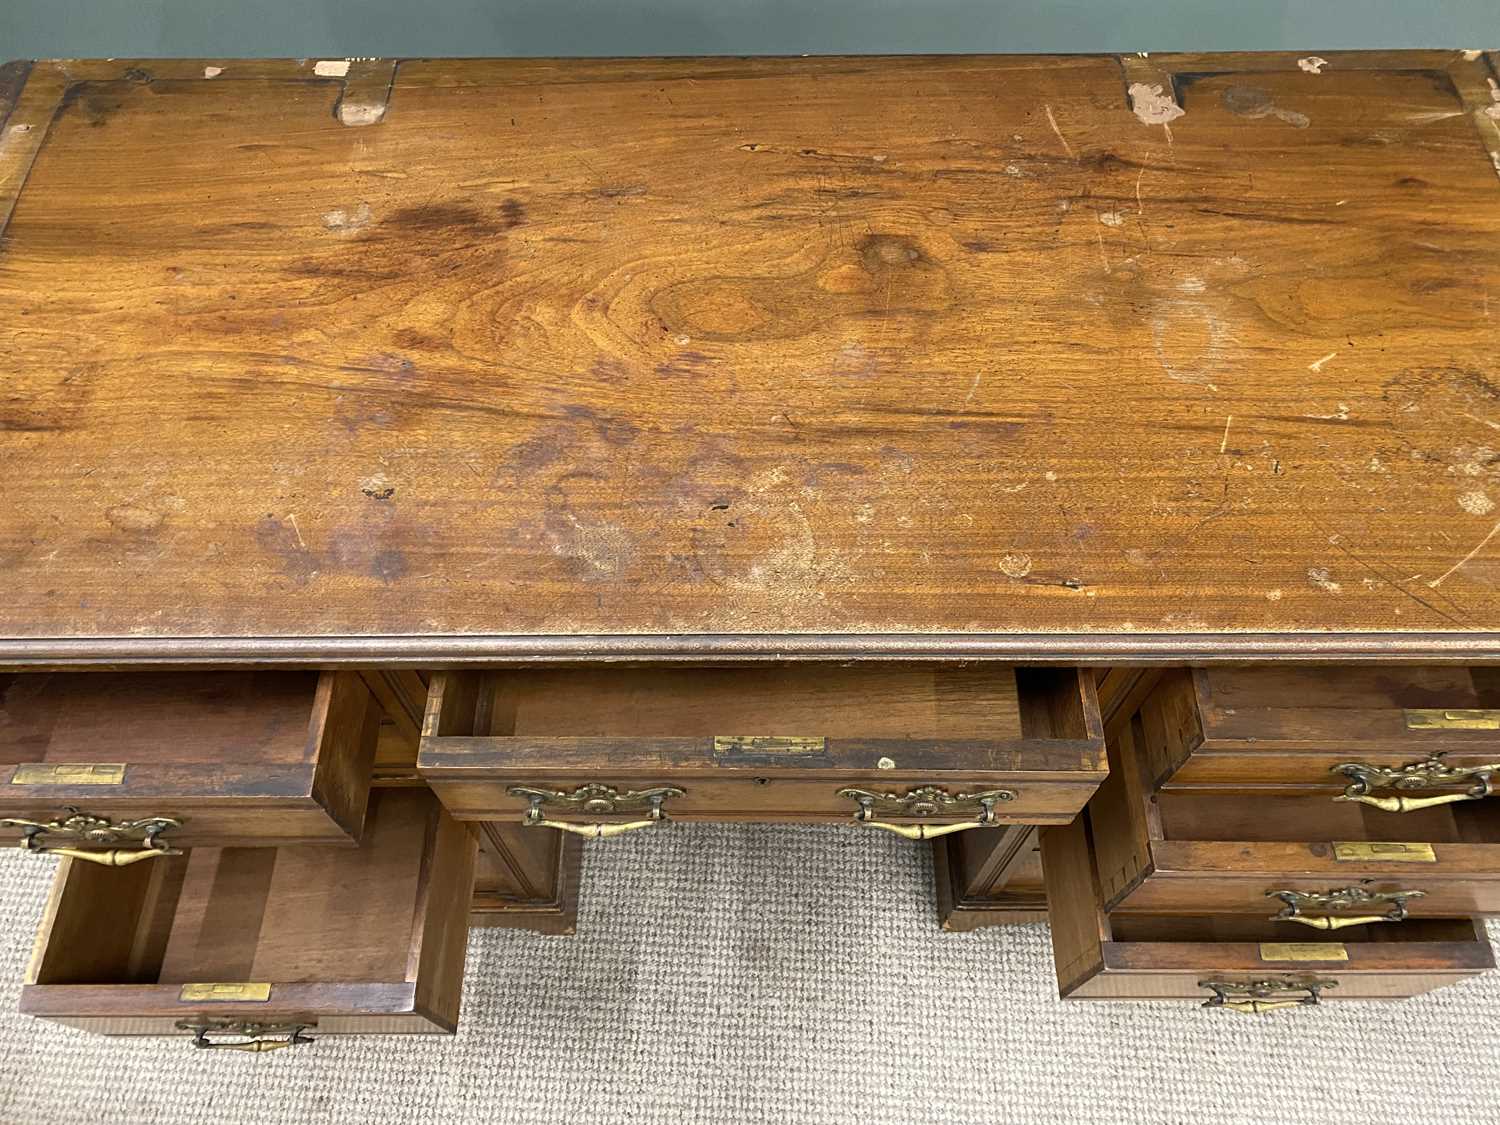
283	541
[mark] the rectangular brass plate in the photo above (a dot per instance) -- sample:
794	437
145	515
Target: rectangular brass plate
769	750
1303	951
224	993
69	773
1366	851
767	744
1440	719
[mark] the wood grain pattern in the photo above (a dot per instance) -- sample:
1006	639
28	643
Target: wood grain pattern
823	348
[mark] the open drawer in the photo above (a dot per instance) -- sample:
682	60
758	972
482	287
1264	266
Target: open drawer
134	762
910	746
253	943
1318	860
1379	733
1236	962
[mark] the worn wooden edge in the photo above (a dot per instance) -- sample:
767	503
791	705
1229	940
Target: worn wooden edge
459	651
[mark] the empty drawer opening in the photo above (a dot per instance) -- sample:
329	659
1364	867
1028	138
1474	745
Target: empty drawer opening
200	718
985	703
1194	817
284	915
1246	928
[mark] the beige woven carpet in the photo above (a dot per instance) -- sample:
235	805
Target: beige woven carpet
754	974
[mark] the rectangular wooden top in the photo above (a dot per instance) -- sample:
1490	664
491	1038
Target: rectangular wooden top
1082	358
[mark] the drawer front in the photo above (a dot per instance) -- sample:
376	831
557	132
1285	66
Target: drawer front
230	945
593	792
1334	880
1040	767
126	762
1236	961
1411	731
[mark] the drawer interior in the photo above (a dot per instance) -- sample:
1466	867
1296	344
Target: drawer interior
910	702
250	914
1358	708
334	932
765	742
235	758
1187	816
245	718
1239	928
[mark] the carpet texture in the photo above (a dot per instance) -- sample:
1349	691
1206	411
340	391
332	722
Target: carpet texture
756	974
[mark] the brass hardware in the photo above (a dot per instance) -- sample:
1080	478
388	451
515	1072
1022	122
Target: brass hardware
1422	718
1256	996
596	800
215	993
1342	898
925	831
1382	851
1430	773
96	831
65	773
927	800
256	1036
1303	951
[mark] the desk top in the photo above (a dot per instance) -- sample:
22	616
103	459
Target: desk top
1080	357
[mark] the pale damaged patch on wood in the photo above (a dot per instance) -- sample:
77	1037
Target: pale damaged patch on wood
1312	64
331	68
1016	565
347	221
1320	577
354	114
212	71
1153	106
1476	503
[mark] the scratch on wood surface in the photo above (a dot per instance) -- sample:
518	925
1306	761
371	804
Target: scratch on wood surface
1067	148
978	375
1317	364
1483	543
297	531
1481	421
1224	444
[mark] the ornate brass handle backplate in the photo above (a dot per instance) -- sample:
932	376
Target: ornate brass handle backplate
1256	997
927	800
1430	773
595	800
248	1036
98	833
1344	898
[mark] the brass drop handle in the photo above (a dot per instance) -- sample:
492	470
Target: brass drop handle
84	828
1430	773
114	857
598	831
1298	901
927	800
595	798
256	1038
923	831
1258	997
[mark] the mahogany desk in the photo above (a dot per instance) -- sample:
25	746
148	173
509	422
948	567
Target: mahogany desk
381	437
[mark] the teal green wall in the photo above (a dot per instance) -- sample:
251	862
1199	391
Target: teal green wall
41	28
